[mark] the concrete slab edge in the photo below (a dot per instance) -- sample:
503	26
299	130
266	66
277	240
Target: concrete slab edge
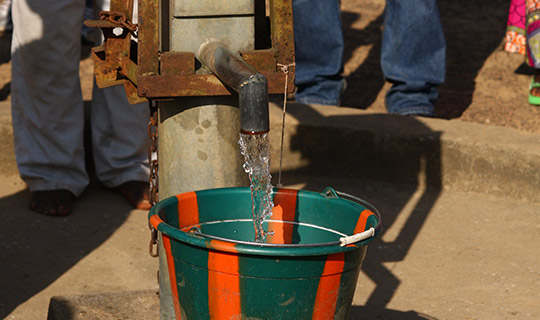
450	154
354	143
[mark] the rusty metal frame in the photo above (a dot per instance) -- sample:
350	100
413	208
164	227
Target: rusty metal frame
158	74
113	61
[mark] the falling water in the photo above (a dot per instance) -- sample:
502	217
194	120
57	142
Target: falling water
256	151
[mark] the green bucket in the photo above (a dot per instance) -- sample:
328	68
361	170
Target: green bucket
307	269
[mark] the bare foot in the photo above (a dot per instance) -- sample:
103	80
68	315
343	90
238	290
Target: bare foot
136	193
52	202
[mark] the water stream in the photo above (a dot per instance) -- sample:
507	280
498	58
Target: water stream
256	151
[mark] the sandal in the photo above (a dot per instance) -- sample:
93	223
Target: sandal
534	100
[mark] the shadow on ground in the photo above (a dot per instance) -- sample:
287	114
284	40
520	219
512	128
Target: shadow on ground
387	314
5	57
360	159
364	83
36	249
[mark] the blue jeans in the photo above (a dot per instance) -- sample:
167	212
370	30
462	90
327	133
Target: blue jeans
318	50
413	56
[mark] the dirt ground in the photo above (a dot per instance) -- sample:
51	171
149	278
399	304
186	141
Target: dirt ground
484	84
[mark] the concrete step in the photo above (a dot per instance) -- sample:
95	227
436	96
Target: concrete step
449	154
346	142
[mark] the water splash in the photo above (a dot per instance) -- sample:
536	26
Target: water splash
256	151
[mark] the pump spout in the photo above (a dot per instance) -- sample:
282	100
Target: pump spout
252	87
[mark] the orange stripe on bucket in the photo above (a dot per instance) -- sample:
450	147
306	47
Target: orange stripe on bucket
284	210
188	209
223	285
155	220
362	220
221	246
328	289
361	223
172	276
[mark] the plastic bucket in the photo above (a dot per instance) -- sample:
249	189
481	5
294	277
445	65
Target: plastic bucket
307	269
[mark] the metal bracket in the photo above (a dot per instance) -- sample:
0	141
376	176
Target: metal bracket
114	63
147	72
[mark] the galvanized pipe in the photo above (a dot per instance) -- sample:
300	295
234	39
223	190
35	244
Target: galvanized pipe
252	87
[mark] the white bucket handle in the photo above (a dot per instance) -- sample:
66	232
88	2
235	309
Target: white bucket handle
330	192
357	237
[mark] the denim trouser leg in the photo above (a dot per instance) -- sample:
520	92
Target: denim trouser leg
319	51
413	56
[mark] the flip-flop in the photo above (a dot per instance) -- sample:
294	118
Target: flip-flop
534	100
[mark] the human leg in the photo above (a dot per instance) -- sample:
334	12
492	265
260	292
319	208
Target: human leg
413	56
318	50
47	108
119	139
120	144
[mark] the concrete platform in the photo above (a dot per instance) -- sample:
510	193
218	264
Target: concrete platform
132	305
460	207
346	142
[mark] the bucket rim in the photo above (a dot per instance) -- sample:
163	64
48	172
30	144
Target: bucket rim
193	229
212	242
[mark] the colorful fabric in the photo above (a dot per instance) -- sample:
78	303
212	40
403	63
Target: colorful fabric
523	30
516	17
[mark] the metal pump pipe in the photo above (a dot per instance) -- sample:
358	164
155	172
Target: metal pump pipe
252	87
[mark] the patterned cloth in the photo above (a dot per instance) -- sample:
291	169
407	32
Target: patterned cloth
523	30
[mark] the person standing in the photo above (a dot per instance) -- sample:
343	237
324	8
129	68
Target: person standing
523	37
318	46
48	114
413	54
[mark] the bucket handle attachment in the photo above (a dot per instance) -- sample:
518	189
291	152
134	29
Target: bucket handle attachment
357	237
331	193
